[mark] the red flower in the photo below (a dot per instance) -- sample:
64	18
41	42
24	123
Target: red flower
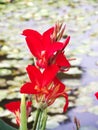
96	94
15	108
42	46
39	80
50	58
44	85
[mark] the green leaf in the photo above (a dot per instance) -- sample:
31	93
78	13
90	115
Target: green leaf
4	126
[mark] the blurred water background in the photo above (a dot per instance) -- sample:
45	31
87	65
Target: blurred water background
81	19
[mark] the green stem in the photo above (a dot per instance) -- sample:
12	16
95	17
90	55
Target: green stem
44	120
39	123
23	116
36	120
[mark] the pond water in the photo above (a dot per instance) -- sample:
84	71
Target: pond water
88	120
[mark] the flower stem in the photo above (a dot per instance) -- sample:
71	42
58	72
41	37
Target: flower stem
23	116
44	120
40	121
36	120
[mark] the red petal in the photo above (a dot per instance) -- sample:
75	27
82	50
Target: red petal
47	38
96	94
66	42
66	99
61	61
49	32
13	106
53	97
34	74
61	85
33	39
28	104
54	47
31	33
28	88
34	45
49	74
66	104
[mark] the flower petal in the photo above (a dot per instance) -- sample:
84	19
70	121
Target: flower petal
46	39
58	83
54	47
49	74
66	42
28	107
34	45
28	88
34	74
61	61
96	94
66	103
48	32
31	33
13	106
34	41
63	94
28	104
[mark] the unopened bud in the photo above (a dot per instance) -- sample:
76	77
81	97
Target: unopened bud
58	31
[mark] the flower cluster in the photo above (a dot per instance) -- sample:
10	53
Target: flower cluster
49	60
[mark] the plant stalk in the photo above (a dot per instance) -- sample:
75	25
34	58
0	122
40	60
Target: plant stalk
40	121
23	116
36	119
44	121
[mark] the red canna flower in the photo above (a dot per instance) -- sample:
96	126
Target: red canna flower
39	80
14	107
50	58
41	46
96	94
46	47
45	85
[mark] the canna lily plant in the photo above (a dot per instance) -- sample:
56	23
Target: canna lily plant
44	87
